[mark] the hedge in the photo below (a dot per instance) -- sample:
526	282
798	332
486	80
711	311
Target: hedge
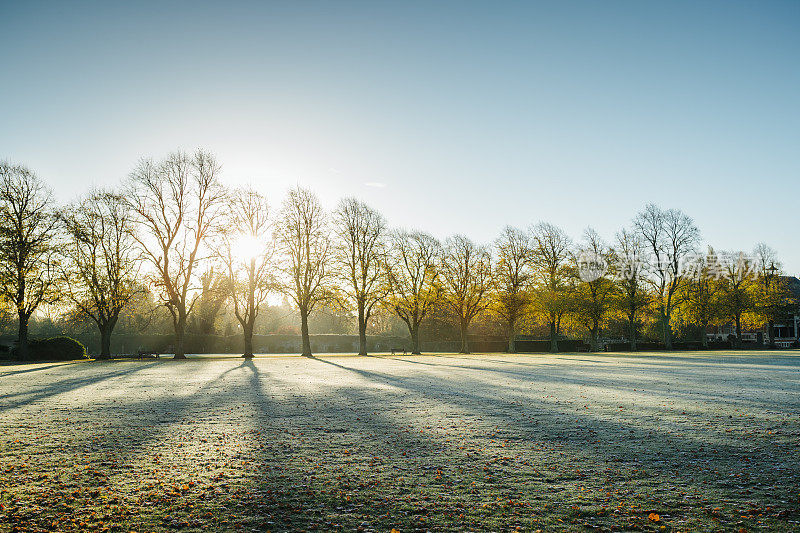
54	349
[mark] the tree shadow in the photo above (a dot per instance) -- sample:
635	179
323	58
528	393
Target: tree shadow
27	370
62	386
405	450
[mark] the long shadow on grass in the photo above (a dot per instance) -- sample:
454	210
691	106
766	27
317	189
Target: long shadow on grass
688	359
622	455
622	434
612	382
4	373
133	436
326	457
344	465
299	430
66	385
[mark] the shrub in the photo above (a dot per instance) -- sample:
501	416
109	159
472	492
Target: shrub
55	349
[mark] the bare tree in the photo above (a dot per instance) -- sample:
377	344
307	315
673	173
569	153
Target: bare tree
176	204
552	275
596	291
101	262
670	237
466	270
302	236
247	253
413	279
629	263
512	276
28	226
361	262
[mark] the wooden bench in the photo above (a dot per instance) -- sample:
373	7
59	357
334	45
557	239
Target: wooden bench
394	350
142	354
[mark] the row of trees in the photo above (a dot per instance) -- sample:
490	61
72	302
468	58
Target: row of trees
652	273
174	217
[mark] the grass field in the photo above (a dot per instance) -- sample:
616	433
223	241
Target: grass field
578	442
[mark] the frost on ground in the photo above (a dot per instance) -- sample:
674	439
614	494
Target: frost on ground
672	442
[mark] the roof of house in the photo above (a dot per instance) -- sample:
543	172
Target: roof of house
794	285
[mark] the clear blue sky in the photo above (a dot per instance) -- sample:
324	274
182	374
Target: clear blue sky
469	115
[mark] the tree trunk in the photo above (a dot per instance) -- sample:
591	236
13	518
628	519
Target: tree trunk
512	337
464	343
595	342
704	333
667	331
180	331
22	337
632	332
771	333
247	327
105	342
738	331
362	331
247	331
304	333
414	332
553	337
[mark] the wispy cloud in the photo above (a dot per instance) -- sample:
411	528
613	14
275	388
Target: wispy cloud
376	184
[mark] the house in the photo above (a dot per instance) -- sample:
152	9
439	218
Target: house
787	330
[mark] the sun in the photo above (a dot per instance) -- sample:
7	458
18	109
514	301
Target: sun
247	247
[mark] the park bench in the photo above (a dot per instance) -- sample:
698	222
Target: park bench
142	354
393	350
